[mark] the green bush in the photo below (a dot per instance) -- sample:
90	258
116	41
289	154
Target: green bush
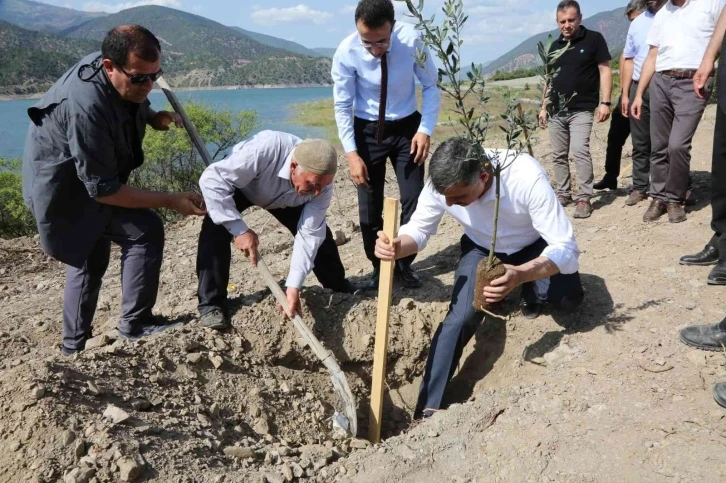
171	161
15	218
515	74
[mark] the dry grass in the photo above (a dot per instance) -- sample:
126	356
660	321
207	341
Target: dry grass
320	114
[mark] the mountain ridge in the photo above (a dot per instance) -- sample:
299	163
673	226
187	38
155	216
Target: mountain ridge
612	24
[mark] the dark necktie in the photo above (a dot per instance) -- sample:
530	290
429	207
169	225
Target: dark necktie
382	100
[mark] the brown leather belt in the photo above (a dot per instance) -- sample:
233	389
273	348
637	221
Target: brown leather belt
679	73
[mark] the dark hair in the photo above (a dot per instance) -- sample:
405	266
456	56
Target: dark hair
123	40
565	4
374	13
457	161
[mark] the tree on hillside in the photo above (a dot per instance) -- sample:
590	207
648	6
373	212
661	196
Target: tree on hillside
171	161
15	218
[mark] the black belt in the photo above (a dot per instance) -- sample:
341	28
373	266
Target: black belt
388	123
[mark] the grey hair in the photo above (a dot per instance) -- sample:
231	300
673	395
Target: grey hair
457	161
634	6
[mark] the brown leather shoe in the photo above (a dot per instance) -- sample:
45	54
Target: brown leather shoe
564	200
635	198
656	209
676	212
583	209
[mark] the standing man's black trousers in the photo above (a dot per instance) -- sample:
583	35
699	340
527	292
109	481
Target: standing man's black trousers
396	146
214	256
718	185
617	135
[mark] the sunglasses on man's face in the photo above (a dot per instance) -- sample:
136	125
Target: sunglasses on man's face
141	78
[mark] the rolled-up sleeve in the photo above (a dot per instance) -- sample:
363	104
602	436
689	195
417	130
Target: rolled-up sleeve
91	143
431	97
425	220
550	220
310	235
219	181
344	96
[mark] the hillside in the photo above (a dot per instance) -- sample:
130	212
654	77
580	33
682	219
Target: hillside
325	51
201	52
613	25
197	52
43	17
33	61
288	45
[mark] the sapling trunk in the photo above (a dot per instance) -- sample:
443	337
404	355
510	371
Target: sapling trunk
445	42
490	268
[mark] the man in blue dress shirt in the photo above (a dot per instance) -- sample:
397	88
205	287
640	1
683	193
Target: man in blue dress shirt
374	70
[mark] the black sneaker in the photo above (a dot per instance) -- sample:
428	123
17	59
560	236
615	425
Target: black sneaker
215	320
68	352
148	330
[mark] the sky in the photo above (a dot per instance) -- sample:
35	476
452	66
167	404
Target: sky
494	27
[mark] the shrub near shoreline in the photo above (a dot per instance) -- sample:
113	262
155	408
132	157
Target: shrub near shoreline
171	163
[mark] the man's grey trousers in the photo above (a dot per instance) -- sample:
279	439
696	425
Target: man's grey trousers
140	234
570	131
675	112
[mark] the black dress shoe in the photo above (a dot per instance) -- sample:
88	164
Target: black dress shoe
707	256
351	287
719	394
718	274
608	182
705	337
407	276
530	309
371	283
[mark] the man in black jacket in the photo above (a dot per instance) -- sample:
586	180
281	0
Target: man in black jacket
83	143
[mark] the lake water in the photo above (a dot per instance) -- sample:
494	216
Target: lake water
273	107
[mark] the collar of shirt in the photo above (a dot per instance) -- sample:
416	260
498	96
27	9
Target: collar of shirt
578	36
284	172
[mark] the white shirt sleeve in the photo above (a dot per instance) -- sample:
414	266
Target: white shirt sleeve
655	30
344	78
425	220
550	220
630	51
428	77
219	181
310	235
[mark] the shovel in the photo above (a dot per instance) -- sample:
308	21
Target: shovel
348	420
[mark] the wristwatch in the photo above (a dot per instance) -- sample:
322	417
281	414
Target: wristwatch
609	104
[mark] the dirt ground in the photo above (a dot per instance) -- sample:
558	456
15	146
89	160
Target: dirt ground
605	394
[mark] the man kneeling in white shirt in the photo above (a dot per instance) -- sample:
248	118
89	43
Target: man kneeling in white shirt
535	241
293	180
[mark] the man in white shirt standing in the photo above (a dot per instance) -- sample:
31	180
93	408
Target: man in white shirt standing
374	71
290	178
535	240
678	40
635	53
